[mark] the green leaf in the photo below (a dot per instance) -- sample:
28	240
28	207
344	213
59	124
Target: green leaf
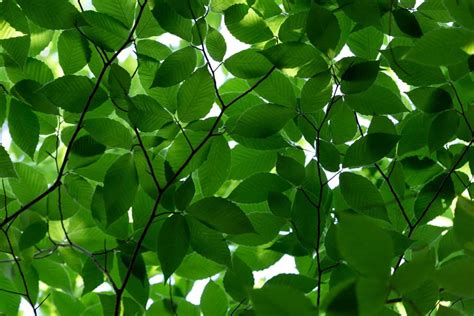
6	166
104	30
299	282
278	89
462	224
281	300
366	247
238	281
215	170
188	9
216	44
171	21
24	127
260	121
147	114
377	100
407	22
86	146
442	46
290	169
246	162
365	42
279	204
208	243
369	149
120	187
51	14
122	10
173	243
72	93
248	64
304	214
184	194
257	187
360	194
290	54
442	129
323	29
33	234
267	226
109	132
462	11
457	277
214	301
246	25
359	76
196	96
221	215
73	51
316	93
176	68
431	100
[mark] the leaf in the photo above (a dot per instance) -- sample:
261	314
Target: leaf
184	194
109	132
24	127
6	166
316	93
104	30
175	68
260	121
216	44
442	129
376	100
366	247
304	214
279	204
323	29
122	10
214	301
120	187
248	64
369	149
407	22
457	277
360	194
365	42
359	76
290	169
299	282
267	226
431	100
221	215
278	89
281	300
171	21
246	162
208	243
290	54
196	96
51	14
238	281
73	51
257	187
72	93
33	234
7	31
147	114
246	25
173	243
462	11
462	224
442	46
215	170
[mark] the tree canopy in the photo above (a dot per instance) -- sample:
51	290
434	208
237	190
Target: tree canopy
339	135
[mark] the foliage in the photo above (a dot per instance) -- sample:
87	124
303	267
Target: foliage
340	136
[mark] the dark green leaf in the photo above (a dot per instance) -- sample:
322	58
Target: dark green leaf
370	149
176	68
173	243
24	127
